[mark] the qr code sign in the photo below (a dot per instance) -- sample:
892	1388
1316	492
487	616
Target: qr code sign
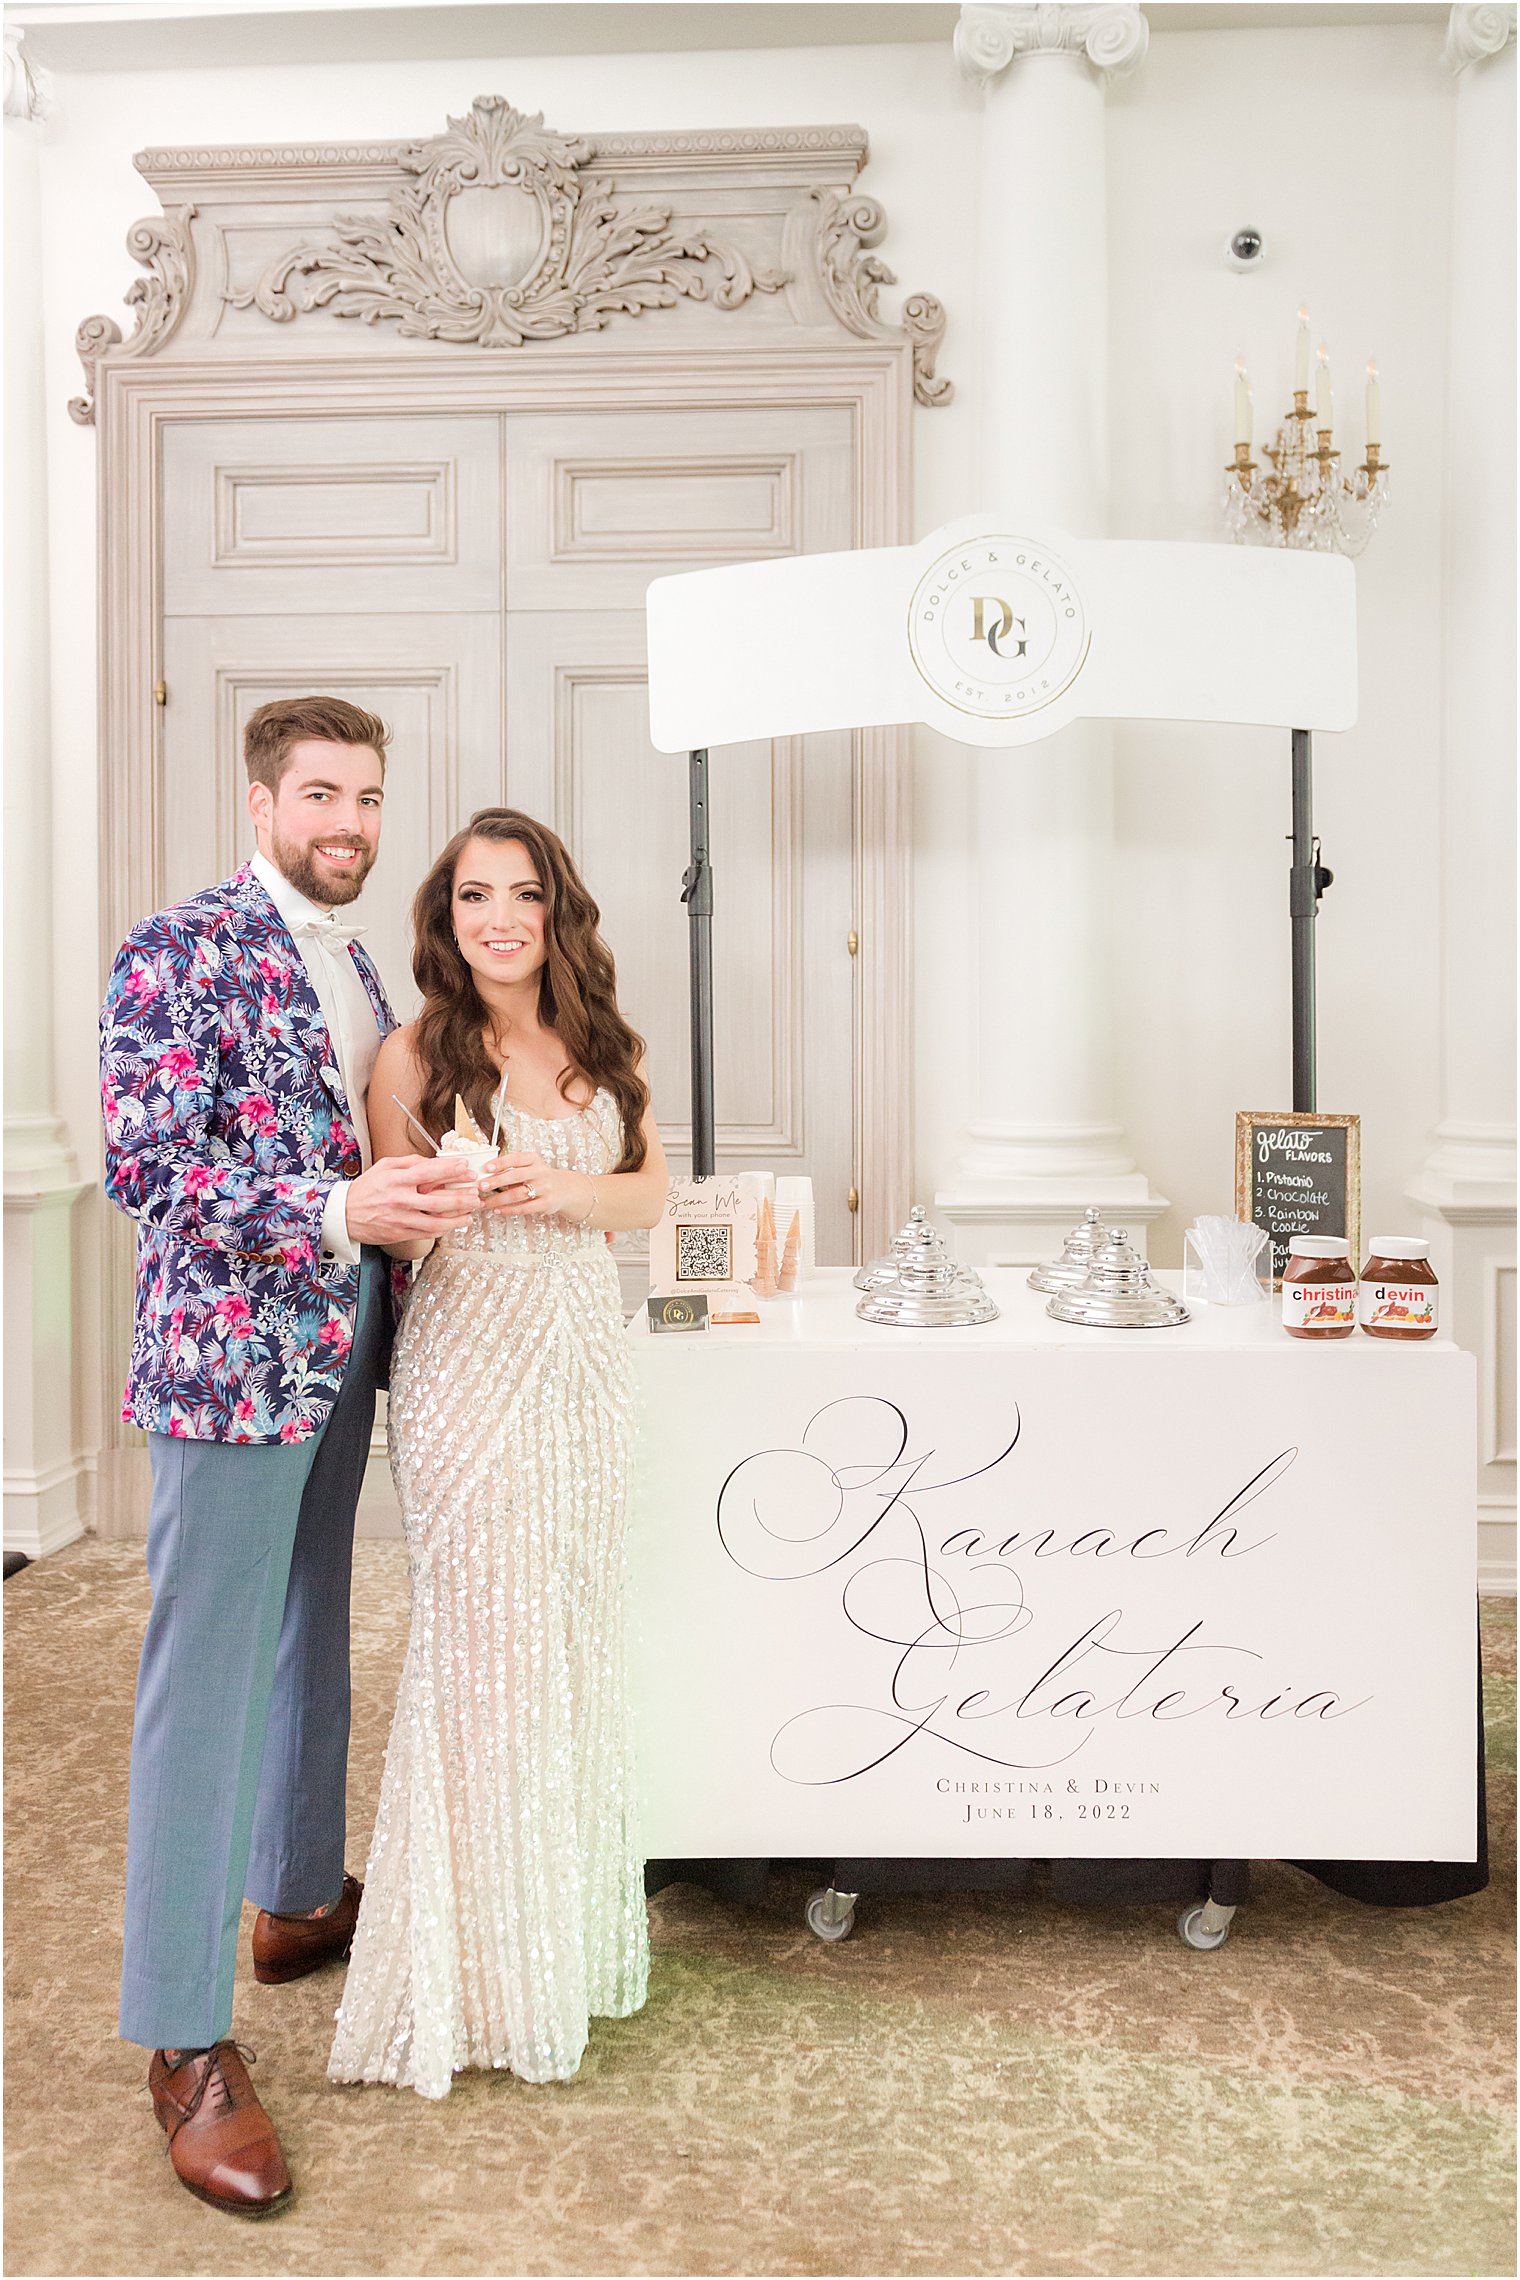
705	1254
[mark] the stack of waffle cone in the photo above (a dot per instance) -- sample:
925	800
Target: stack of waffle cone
765	1252
787	1278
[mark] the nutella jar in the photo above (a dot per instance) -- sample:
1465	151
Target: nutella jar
1399	1292
1319	1288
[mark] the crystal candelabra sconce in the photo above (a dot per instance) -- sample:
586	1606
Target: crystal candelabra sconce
1305	498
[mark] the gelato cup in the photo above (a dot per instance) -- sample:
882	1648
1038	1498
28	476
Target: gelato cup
478	1154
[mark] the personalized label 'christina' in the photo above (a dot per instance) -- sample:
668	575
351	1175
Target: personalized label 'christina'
1319	1305
997	627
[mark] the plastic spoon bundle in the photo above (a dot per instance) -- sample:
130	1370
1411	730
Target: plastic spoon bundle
1227	1253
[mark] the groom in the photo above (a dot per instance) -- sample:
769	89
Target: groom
237	1040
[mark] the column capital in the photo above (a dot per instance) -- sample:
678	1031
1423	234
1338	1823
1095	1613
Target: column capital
1473	33
28	88
1112	36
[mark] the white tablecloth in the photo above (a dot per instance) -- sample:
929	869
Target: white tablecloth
1029	1589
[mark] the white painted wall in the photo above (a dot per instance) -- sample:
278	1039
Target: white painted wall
1338	144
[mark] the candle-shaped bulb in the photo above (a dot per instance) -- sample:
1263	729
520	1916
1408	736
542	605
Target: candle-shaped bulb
1301	356
1374	407
1324	407
1242	402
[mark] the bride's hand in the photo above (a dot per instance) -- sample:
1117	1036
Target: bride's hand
523	1186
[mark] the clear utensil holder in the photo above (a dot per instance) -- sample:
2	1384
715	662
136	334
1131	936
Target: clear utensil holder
1226	1262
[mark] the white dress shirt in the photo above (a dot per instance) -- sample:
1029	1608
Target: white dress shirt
351	1024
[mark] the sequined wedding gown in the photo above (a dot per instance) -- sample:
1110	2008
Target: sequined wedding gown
504	1899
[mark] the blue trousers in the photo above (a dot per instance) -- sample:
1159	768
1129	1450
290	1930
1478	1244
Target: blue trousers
240	1733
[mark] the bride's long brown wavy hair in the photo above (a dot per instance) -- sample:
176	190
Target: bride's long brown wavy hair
577	988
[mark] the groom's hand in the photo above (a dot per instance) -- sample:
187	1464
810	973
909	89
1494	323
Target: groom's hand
401	1197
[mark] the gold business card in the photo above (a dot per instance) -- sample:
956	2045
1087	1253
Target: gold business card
686	1311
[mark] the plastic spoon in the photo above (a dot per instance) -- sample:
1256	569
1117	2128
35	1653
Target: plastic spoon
501	1103
406	1112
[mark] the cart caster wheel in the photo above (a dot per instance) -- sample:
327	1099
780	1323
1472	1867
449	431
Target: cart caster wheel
1206	1925
830	1914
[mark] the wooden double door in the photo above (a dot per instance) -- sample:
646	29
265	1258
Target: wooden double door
478	579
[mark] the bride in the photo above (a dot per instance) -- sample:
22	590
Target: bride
504	1903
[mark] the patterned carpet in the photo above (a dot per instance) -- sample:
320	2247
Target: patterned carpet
966	2086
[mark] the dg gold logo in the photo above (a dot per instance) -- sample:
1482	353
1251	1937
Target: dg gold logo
688	1312
997	627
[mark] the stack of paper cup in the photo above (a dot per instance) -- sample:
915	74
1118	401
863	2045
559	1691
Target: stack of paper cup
794	1197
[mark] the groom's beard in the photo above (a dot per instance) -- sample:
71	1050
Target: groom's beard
298	863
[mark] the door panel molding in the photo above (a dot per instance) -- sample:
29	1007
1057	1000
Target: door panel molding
678	504
422	531
242	491
581	484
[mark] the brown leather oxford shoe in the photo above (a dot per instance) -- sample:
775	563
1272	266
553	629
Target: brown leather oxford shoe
224	2147
287	1947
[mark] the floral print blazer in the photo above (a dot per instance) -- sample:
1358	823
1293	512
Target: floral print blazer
226	1125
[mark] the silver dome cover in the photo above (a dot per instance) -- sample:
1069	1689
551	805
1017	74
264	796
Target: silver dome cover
1077	1255
920	1286
1119	1293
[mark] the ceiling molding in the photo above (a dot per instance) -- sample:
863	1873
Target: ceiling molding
157	35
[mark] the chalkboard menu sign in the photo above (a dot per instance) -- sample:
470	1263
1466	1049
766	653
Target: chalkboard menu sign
1299	1175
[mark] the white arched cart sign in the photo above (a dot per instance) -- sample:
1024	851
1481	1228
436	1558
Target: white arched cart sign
776	1610
999	635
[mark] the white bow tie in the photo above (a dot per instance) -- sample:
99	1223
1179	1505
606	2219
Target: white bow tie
334	931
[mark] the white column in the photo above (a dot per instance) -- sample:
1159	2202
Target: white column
1044	1142
42	1465
1464	1192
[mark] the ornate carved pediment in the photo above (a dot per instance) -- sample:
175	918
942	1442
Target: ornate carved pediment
853	277
501	239
500	232
164	246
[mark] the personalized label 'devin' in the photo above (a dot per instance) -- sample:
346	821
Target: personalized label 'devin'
1398	1306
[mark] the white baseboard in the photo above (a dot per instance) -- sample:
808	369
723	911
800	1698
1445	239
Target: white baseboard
1496	1551
46	1510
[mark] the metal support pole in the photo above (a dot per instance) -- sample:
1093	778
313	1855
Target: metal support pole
697	894
1307	881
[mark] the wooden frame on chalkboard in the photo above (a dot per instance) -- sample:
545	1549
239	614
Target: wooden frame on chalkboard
1248	1121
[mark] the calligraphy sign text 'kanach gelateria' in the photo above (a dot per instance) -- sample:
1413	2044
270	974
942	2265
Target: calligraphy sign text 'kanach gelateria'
991	1597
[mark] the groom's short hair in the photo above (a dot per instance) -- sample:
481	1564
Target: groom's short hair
274	728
